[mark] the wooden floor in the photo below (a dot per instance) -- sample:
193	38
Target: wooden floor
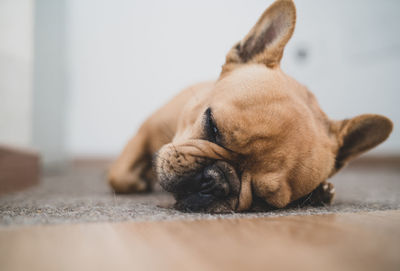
346	241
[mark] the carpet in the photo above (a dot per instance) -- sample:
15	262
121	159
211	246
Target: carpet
80	194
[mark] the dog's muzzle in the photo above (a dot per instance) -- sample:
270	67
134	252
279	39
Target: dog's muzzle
214	188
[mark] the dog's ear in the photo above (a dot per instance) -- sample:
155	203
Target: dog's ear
360	134
266	40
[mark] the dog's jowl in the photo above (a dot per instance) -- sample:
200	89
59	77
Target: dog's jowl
255	137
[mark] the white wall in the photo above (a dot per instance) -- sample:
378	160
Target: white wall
16	56
126	58
50	84
354	57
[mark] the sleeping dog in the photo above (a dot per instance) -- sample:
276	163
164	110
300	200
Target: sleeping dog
254	137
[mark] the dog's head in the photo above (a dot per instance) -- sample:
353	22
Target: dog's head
257	132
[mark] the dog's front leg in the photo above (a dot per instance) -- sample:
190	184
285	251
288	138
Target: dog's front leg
131	171
322	195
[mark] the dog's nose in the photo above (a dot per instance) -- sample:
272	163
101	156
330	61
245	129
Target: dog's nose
216	186
214	182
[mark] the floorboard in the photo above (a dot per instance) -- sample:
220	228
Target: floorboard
347	241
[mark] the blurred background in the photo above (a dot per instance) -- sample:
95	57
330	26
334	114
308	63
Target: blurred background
77	78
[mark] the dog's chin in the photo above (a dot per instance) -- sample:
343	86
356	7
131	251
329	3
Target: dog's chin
213	189
206	204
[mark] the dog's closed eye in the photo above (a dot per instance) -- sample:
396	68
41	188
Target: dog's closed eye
212	133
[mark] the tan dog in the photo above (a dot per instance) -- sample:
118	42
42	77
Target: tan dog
255	136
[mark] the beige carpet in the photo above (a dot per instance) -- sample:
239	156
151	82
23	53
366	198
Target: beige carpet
80	194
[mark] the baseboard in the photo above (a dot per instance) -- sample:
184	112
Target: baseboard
19	168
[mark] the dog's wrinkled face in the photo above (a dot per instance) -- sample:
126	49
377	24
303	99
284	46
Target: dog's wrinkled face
255	119
257	132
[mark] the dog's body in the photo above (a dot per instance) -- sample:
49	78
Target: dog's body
254	135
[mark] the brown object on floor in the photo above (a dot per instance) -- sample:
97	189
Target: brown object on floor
348	241
19	168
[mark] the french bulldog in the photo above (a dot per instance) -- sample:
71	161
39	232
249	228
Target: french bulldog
254	138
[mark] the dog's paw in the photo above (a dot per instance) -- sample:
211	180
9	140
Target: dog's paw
323	194
127	186
328	193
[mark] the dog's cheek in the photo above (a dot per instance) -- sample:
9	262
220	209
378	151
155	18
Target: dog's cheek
273	188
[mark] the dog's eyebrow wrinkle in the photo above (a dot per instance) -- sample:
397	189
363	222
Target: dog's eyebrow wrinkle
200	151
217	154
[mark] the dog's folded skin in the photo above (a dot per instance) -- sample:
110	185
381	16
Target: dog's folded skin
254	139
